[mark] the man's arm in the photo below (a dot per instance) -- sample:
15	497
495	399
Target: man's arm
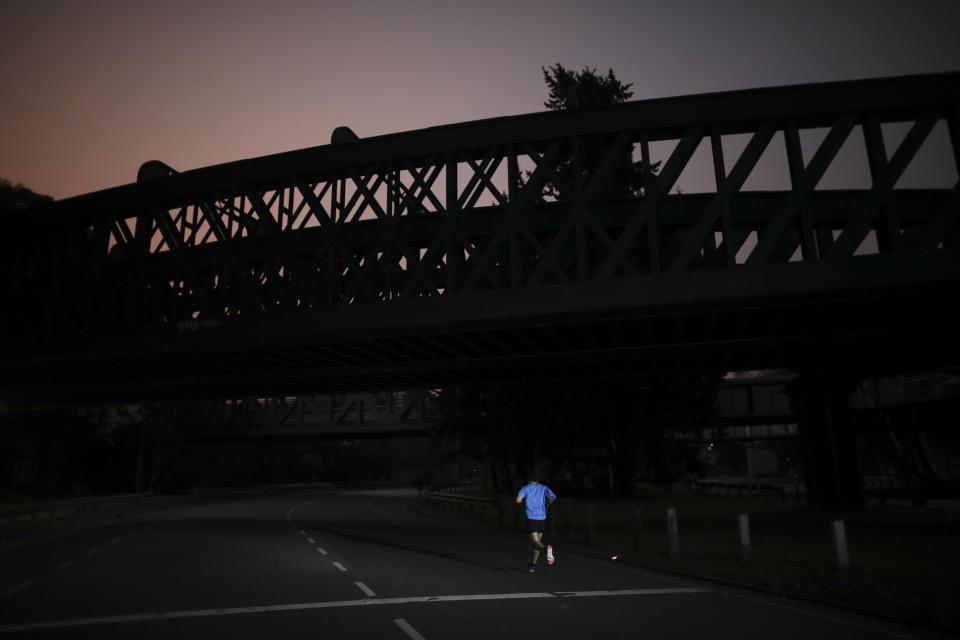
521	494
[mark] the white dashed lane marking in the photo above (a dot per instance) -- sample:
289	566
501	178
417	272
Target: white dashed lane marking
412	633
93	551
64	565
115	541
367	591
375	509
17	587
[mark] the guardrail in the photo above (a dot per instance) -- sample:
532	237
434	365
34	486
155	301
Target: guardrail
884	487
34	511
447	497
259	489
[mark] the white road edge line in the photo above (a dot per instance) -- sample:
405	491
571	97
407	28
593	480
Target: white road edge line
336	604
412	633
367	591
339	566
17	587
415	516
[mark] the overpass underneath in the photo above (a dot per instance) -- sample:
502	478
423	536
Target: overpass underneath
759	402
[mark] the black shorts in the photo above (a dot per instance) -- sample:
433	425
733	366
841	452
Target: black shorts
536	526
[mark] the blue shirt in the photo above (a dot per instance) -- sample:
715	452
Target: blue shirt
536	495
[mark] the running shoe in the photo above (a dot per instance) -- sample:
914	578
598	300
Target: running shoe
550	558
530	567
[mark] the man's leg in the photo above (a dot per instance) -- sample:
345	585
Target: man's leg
536	538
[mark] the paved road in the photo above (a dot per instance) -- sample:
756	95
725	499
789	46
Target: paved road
363	566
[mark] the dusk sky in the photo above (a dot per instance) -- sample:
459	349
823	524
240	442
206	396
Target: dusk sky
93	88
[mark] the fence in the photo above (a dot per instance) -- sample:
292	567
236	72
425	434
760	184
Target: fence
32	512
748	487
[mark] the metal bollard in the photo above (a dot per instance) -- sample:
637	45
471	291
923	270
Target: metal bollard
743	528
637	531
590	524
673	542
839	534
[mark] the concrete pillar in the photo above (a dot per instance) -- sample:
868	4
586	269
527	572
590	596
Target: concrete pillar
590	523
820	396
638	546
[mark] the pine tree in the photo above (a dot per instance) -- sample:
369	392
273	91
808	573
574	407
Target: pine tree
583	89
586	89
16	198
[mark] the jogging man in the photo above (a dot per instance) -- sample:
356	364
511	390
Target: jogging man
538	497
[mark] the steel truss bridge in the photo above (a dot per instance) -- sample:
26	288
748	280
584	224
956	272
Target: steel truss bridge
432	257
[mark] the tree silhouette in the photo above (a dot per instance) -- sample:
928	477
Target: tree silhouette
17	198
586	89
574	90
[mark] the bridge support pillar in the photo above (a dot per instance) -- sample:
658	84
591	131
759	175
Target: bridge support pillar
831	465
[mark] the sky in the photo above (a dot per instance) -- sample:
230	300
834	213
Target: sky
94	88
